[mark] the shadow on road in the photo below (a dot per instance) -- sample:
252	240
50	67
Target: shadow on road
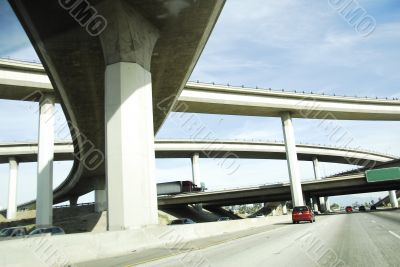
283	223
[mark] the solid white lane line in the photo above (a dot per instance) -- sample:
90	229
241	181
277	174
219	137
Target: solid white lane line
394	234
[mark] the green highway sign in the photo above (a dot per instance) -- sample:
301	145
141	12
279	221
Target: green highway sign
381	175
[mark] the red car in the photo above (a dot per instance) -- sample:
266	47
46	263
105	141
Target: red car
349	209
302	213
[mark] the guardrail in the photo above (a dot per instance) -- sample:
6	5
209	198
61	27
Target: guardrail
77	205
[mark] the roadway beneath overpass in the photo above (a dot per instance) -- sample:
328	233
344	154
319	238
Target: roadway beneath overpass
359	239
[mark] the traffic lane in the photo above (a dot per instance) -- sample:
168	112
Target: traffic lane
387	218
171	247
359	243
284	246
335	240
384	229
353	239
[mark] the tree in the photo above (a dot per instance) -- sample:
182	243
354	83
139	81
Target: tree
257	206
335	206
242	209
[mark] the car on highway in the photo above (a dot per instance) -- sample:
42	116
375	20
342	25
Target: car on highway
182	221
373	207
11	232
349	209
224	219
52	230
302	213
362	208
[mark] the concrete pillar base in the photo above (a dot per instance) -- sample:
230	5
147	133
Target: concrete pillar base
12	189
198	207
196	169
73	201
322	206
317	174
130	157
327	204
284	209
100	199
308	201
291	156
315	204
393	199
44	199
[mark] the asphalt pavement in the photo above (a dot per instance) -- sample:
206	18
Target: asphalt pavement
356	239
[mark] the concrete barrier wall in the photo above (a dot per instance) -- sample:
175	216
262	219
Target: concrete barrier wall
75	248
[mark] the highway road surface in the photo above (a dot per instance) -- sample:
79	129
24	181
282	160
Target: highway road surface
357	239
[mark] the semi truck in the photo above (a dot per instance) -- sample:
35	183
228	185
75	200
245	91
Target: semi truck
177	187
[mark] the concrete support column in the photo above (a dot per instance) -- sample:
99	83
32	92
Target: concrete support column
44	198
100	199
12	189
196	176
322	204
284	209
393	199
128	42
317	173
196	169
273	212
327	204
319	204
291	156
317	176
308	200
315	203
130	157
73	201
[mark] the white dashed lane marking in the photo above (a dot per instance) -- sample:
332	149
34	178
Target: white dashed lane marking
394	234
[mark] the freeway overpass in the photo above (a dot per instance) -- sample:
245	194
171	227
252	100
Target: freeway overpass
27	152
351	184
185	148
19	79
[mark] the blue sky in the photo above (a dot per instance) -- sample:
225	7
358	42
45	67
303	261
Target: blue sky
295	45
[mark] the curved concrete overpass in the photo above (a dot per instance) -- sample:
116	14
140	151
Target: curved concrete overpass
19	79
27	152
219	99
